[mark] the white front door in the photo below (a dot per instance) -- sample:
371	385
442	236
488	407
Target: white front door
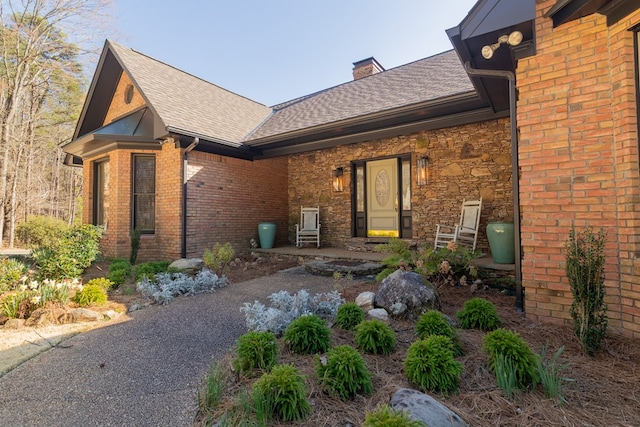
382	198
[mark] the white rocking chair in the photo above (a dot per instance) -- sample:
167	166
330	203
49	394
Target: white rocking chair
308	231
466	231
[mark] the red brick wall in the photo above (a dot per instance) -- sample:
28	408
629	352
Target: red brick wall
227	198
578	154
118	107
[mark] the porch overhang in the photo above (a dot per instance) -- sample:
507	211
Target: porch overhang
95	144
569	10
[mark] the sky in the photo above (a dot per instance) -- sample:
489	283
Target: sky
273	51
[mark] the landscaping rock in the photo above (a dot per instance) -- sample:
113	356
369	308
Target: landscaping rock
365	300
188	265
14	323
112	314
49	316
85	315
408	288
379	313
422	407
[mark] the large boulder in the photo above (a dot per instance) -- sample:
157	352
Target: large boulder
405	294
188	265
422	407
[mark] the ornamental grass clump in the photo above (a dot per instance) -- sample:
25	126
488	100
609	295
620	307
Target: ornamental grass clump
284	390
480	314
385	416
434	323
515	350
349	315
90	295
375	336
11	270
549	373
344	372
256	350
431	366
307	335
585	271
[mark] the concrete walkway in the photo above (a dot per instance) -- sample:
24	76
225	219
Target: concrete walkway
144	372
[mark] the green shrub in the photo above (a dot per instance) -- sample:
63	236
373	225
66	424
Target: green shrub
479	313
218	258
585	271
90	294
344	372
284	389
430	365
11	270
119	271
41	231
70	255
434	323
149	269
256	350
103	282
375	336
20	305
307	334
384	416
135	244
513	347
349	315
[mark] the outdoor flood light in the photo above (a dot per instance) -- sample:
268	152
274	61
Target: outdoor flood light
513	39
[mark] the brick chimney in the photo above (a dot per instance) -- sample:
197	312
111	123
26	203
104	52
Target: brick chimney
366	67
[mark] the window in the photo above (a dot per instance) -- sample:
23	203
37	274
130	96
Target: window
144	193
101	193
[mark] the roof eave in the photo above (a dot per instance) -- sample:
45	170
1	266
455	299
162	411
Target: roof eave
94	144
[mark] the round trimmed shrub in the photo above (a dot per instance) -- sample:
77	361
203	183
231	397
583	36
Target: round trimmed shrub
256	350
344	372
479	313
349	315
431	366
384	416
375	336
90	294
103	282
434	323
283	388
307	334
513	349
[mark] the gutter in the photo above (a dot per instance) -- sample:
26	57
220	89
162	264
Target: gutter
515	176
185	163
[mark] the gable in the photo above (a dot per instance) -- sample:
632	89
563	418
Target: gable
126	99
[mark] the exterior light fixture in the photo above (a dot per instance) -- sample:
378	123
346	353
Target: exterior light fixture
513	39
423	170
338	179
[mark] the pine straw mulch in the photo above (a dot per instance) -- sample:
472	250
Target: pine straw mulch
604	390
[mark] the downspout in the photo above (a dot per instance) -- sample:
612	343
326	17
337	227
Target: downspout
183	250
515	176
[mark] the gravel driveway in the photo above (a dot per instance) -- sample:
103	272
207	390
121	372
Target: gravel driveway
144	372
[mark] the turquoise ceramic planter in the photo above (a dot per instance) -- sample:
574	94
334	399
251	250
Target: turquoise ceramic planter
500	236
266	234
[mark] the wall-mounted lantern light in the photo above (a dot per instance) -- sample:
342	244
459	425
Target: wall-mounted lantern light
423	170
338	179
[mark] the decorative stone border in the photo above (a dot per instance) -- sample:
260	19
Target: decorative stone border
355	268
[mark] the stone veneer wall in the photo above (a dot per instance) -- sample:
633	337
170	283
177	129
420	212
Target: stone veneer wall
465	162
579	161
228	197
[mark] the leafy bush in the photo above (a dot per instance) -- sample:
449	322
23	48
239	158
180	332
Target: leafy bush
39	231
375	336
430	365
479	313
307	335
344	372
256	350
149	269
585	271
103	282
349	315
384	416
218	258
166	286
119	271
70	255
512	347
286	307
90	294
433	323
284	389
11	270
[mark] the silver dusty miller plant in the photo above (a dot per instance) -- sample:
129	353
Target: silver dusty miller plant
286	307
165	286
